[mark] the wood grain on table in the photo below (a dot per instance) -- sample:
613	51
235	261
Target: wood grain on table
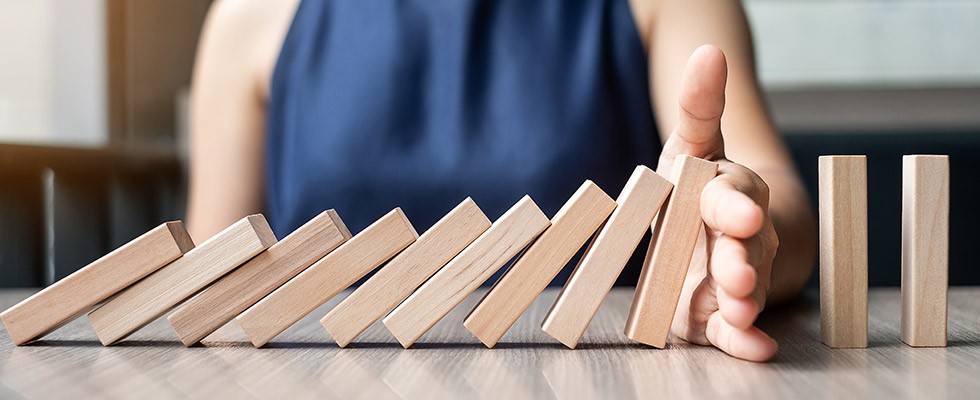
448	361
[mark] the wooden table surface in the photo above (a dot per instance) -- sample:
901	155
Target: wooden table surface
448	362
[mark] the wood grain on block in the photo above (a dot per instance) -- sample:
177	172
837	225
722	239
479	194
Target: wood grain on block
843	251
406	272
925	250
156	294
606	256
467	271
243	287
571	227
669	254
77	293
326	278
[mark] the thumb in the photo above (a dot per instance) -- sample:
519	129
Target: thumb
702	101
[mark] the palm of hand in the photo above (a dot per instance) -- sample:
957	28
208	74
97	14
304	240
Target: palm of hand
700	318
728	279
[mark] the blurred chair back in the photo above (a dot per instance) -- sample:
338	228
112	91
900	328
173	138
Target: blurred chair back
61	208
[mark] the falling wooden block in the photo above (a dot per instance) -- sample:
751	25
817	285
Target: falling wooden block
326	278
473	266
606	256
843	251
77	293
571	227
925	249
669	254
156	294
403	274
243	287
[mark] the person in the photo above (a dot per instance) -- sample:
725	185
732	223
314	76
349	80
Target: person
362	106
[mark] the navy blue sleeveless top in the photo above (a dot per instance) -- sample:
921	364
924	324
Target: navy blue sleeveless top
377	104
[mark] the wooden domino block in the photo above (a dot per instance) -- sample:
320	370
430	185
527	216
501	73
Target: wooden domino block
243	287
606	256
843	251
153	296
925	249
77	293
406	272
571	227
326	278
669	254
473	266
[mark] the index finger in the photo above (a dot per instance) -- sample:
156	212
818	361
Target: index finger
727	210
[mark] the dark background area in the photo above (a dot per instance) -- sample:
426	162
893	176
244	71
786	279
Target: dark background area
885	193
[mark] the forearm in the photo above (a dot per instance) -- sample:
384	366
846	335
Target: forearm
794	222
227	123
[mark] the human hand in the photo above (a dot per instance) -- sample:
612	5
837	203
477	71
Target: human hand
729	275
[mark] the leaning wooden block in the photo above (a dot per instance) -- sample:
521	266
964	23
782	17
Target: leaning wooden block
571	227
403	274
669	254
327	277
77	293
606	256
156	294
925	249
843	251
246	285
448	287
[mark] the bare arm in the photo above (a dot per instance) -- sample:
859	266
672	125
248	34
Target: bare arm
675	28
235	57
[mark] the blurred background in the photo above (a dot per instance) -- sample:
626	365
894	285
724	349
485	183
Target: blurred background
93	105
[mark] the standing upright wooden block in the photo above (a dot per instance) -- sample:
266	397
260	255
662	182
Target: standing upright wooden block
326	278
669	253
844	251
925	249
571	227
606	256
153	296
448	287
77	293
243	287
403	274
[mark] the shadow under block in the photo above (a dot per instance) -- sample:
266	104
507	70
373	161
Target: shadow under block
326	278
246	285
510	234
606	256
843	251
669	254
77	293
510	296
156	294
925	249
406	272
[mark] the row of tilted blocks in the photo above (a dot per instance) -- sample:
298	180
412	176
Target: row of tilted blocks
243	273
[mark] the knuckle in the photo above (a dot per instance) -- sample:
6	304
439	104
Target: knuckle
747	181
761	186
774	241
755	183
770	239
